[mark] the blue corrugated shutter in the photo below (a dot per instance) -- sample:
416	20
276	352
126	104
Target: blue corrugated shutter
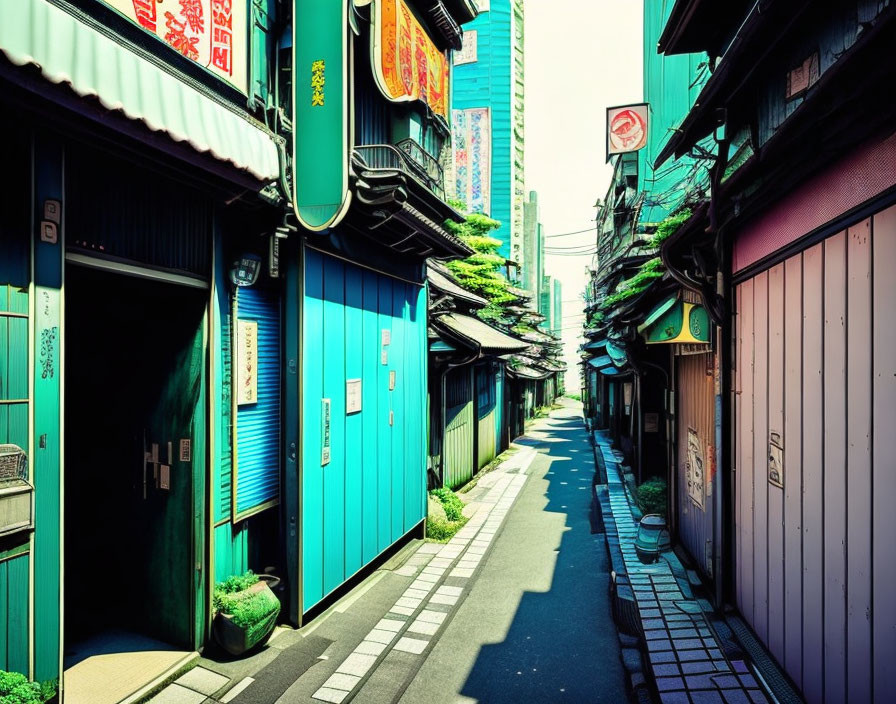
258	424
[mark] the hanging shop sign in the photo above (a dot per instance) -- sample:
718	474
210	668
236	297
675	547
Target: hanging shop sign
322	144
775	459
674	321
472	130
247	362
407	63
626	128
213	33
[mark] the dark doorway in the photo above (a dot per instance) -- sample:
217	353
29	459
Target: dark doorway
134	383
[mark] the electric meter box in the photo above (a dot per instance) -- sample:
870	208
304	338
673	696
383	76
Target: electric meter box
16	505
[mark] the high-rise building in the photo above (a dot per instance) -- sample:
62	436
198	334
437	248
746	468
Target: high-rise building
557	311
488	120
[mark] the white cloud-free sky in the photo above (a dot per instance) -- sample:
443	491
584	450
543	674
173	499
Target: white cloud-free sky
581	56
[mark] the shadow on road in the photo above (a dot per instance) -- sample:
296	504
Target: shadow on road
562	644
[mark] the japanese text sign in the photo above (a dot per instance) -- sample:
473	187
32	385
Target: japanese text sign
213	33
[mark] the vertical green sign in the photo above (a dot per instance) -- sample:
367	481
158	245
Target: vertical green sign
321	82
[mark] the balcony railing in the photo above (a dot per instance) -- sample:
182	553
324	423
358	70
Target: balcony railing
407	156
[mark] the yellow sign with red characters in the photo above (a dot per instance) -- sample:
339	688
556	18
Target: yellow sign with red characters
407	63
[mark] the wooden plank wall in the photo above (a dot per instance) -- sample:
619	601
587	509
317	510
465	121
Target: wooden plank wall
696	409
815	363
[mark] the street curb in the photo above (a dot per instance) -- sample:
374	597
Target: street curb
622	597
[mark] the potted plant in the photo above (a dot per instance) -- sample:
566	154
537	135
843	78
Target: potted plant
246	611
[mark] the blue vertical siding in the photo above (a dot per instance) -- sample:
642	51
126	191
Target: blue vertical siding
487	83
258	424
370	363
334	344
354	450
372	491
383	430
311	508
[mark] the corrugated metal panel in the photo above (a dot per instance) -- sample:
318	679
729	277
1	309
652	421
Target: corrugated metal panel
458	451
486	404
65	50
372	491
695	413
14	614
372	112
150	220
815	371
258	424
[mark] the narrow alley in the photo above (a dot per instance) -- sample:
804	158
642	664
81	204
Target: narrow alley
514	608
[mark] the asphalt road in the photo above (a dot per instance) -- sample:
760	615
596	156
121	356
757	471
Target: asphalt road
536	625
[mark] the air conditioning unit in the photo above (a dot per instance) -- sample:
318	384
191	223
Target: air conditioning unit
16	513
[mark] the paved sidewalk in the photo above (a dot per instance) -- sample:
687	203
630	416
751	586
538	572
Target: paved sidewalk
686	659
514	608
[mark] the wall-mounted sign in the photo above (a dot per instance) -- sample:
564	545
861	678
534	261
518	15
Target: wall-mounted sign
694	471
213	33
472	132
246	362
407	64
467	54
626	128
321	76
384	355
775	459
352	395
385	336
186	450
165	477
392	380
325	431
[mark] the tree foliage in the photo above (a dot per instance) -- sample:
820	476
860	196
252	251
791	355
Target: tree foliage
481	272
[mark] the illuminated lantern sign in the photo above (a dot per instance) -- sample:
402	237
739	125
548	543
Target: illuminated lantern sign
626	128
407	64
212	33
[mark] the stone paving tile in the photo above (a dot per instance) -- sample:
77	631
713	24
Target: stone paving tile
411	645
431	616
654	645
698	667
202	680
664	684
667	670
443	599
423	627
176	694
334	696
356	664
368	647
378	636
736	696
674	698
339	680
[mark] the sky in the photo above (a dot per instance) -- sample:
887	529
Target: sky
581	56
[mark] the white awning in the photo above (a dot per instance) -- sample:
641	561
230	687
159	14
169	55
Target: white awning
68	51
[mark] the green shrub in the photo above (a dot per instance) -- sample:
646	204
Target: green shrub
247	609
15	688
452	504
442	531
652	496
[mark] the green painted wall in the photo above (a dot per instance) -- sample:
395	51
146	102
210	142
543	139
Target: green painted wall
47	431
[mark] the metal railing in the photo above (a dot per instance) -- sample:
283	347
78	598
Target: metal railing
406	156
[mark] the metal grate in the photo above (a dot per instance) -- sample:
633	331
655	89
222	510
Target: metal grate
13	463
